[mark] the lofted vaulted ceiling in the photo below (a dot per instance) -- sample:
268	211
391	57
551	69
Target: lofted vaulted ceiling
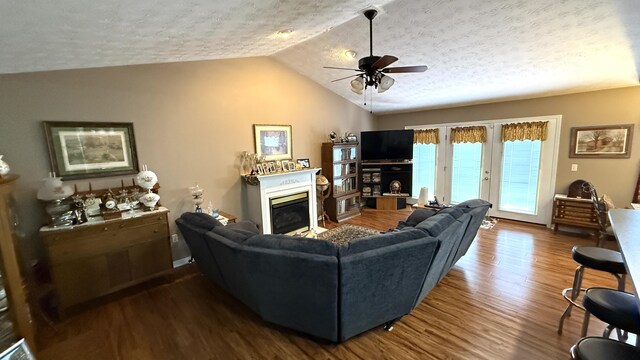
477	51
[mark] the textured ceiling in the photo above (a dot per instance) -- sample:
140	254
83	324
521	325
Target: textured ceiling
477	51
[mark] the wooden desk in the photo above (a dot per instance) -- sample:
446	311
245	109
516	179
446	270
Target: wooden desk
626	227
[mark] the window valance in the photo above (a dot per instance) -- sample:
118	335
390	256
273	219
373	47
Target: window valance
524	131
426	136
470	134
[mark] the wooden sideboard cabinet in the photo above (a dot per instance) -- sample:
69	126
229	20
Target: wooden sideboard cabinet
576	212
104	256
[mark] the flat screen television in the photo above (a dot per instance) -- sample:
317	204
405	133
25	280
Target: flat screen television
390	145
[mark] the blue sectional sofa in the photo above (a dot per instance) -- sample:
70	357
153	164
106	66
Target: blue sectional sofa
328	291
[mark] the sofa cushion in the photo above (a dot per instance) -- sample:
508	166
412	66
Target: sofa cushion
378	241
436	224
453	211
474	203
200	220
416	217
245	225
292	243
234	234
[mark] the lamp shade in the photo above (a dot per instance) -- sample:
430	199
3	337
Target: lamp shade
54	189
424	196
385	83
357	85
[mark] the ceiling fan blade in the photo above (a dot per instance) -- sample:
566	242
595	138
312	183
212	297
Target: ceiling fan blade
384	61
346	77
406	69
340	68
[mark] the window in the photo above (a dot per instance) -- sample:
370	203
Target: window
466	170
424	168
519	182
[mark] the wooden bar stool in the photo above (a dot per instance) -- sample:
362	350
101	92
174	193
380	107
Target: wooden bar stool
597	348
593	258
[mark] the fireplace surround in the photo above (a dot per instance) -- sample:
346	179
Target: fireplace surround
275	190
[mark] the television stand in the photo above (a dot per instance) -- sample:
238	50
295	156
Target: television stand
376	181
391	202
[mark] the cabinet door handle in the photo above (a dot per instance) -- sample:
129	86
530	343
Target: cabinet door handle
106	228
121	226
155	231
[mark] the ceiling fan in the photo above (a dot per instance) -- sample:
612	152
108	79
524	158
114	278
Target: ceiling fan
372	69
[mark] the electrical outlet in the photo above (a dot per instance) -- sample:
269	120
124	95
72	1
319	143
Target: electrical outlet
174	238
574	167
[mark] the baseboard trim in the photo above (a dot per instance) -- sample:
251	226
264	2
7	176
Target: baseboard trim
180	262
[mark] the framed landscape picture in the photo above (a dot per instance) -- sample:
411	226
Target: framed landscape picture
80	150
273	141
607	141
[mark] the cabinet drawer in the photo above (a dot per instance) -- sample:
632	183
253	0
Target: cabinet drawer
105	240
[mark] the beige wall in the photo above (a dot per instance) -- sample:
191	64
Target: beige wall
191	122
615	177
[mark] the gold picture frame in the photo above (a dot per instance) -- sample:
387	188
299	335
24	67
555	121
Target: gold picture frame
273	141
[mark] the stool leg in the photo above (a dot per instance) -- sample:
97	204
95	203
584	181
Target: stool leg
585	323
607	332
575	291
622	278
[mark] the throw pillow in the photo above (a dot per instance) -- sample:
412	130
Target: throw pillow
201	220
416	217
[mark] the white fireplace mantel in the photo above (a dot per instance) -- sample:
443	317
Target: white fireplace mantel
277	185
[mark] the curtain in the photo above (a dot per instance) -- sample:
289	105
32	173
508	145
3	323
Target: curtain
524	131
426	136
470	134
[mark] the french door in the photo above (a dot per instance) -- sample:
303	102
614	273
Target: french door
517	177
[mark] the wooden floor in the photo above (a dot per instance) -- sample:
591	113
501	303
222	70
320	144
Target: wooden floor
501	301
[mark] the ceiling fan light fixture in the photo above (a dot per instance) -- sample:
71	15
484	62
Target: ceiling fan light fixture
285	33
357	85
385	83
350	54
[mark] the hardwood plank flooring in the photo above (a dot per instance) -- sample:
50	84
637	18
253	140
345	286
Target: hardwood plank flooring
501	301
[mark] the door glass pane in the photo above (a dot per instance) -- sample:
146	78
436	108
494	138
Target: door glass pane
519	182
424	168
465	172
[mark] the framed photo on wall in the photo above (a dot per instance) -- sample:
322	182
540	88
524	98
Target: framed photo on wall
79	150
607	141
273	141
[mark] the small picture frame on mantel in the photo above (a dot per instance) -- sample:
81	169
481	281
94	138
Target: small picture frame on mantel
304	163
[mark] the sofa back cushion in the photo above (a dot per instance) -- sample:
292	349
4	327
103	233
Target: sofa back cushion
477	213
200	220
437	223
416	217
290	288
450	239
195	239
292	243
237	235
381	283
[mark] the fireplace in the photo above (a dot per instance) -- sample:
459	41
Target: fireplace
283	203
290	213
